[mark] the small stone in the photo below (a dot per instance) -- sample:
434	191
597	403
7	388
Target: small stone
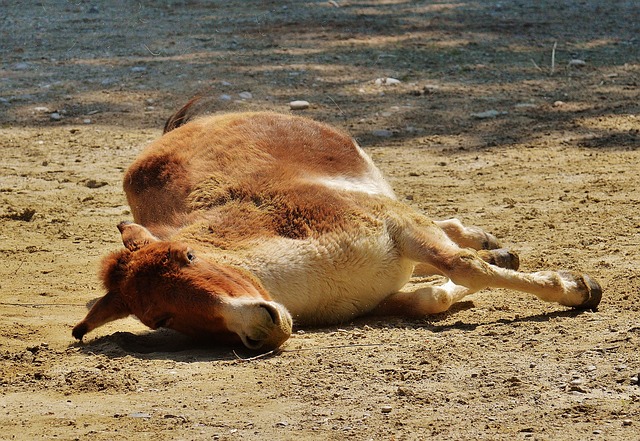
386	409
559	103
139	415
55	116
403	392
627	422
245	95
282	424
299	105
387	81
41	109
138	69
225	97
86	121
577	63
95	184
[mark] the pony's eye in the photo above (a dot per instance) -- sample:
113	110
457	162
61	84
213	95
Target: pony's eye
190	256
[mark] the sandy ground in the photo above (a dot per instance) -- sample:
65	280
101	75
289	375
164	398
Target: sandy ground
522	117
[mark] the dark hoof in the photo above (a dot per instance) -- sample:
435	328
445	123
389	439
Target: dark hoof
79	331
490	242
501	257
593	293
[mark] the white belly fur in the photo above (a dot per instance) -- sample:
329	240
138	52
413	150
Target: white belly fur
331	279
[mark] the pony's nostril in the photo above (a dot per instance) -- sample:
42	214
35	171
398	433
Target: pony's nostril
273	313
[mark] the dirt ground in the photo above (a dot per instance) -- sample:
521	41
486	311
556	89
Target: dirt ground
521	117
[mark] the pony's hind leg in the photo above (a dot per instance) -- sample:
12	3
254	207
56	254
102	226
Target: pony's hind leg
468	272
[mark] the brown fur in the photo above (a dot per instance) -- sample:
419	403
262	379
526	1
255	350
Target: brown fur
184	177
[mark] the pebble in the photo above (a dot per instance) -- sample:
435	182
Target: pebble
245	95
299	105
139	415
627	422
577	63
387	81
558	103
138	69
91	183
386	409
55	116
225	97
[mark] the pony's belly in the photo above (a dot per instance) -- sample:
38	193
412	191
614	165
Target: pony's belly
328	282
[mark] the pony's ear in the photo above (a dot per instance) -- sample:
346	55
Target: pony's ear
114	269
135	236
